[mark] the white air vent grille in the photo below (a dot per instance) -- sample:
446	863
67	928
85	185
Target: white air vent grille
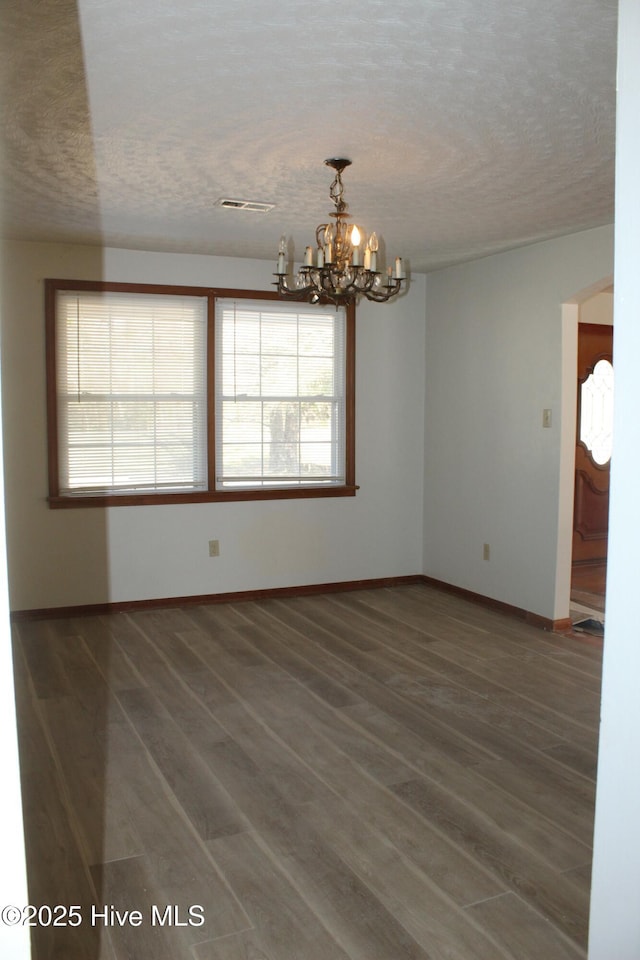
255	206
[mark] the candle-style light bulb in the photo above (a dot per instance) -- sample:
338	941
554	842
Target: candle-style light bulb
281	252
372	243
328	243
355	245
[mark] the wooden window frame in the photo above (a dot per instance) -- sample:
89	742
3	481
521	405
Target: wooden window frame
58	501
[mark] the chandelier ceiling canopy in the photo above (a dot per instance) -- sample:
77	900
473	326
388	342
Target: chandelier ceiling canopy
342	266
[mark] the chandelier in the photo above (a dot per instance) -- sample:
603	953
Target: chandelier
341	268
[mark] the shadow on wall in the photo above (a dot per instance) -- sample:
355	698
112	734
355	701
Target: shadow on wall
49	57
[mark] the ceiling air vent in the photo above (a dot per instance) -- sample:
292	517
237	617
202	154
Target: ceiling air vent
255	206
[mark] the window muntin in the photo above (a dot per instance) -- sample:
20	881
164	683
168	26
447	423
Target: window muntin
280	397
115	440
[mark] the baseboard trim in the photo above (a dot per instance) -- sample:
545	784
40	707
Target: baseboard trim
544	623
92	609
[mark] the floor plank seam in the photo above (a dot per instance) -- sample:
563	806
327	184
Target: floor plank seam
497	896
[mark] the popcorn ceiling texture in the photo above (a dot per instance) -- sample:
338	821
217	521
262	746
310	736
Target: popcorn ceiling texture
473	125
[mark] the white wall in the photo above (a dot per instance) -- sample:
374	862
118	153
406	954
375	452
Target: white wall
69	557
494	362
615	902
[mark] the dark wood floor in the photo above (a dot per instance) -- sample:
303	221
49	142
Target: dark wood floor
390	774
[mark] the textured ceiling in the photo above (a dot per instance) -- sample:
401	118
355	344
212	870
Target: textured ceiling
473	125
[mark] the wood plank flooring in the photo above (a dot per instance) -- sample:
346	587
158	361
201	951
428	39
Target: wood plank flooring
389	774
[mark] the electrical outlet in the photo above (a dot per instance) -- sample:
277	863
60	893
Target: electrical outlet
214	548
486	551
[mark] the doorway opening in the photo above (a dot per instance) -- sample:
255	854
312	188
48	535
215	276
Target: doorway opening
588	412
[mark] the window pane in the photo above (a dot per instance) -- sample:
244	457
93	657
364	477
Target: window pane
316	376
317	421
316	458
243	421
241	334
279	335
279	376
282	433
316	338
243	460
241	375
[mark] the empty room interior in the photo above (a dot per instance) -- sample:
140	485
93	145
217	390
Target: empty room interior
319	427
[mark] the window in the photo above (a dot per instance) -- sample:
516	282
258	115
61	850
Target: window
596	412
280	394
131	392
173	394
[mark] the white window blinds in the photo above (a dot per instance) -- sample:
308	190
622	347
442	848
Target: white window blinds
131	392
280	394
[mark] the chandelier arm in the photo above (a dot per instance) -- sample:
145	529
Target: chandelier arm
295	293
320	230
381	296
310	293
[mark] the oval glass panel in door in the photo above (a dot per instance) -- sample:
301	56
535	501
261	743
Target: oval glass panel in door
596	412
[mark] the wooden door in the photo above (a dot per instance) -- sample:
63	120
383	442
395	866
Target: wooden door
595	405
